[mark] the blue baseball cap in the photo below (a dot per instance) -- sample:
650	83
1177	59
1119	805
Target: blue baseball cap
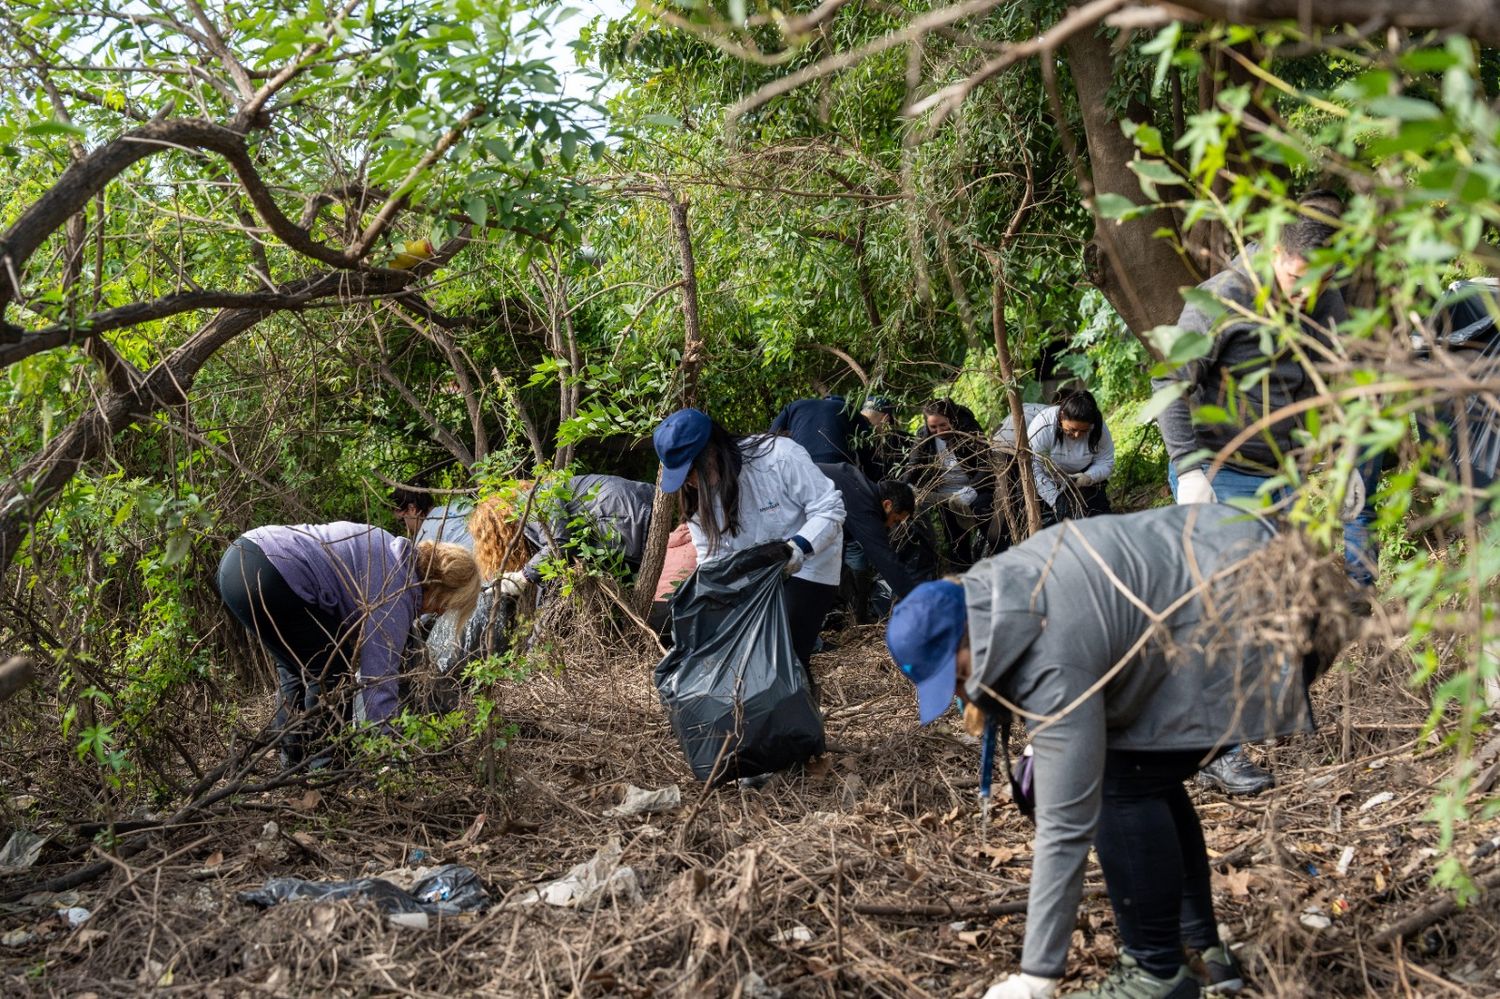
926	629
679	440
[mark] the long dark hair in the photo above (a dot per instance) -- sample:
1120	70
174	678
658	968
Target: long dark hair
960	417
1080	407
718	466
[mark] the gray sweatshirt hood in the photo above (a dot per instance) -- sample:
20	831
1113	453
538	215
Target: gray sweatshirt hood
1007	613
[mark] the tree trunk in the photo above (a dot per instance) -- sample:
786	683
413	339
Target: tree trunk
663	507
1139	274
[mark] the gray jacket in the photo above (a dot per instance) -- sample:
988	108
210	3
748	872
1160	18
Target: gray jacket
1053	632
618	510
1246	373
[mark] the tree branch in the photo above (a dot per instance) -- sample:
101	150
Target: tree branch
1478	19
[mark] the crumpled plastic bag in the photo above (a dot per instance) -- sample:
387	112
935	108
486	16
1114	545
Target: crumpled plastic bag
21	850
446	891
591	883
639	801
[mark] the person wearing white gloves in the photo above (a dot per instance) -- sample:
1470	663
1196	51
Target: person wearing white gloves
739	492
1130	647
951	468
1072	456
1240	383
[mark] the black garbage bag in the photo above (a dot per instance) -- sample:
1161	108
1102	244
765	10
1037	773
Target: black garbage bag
447	891
737	695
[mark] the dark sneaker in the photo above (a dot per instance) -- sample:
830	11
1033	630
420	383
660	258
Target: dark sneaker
1131	981
1222	971
1233	773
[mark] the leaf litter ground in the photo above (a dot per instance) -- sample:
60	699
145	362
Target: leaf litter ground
870	874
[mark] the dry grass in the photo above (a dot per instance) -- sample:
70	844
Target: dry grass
780	883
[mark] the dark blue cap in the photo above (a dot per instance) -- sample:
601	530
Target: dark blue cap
679	440
926	629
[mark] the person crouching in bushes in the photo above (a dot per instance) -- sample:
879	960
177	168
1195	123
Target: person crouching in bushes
951	467
615	513
334	601
739	492
1135	647
1072	456
499	542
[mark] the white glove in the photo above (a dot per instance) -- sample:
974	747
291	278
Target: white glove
1194	487
1082	479
966	497
798	557
1023	986
1354	498
513	584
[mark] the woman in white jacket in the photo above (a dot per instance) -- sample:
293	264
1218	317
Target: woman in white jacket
1072	456
738	492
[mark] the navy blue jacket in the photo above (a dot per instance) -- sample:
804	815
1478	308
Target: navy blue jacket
864	522
830	432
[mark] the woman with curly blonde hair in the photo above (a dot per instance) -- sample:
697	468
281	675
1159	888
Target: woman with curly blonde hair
515	534
499	542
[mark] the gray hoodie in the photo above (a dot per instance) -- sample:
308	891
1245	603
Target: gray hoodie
1059	625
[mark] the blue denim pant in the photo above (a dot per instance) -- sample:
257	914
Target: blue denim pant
1361	555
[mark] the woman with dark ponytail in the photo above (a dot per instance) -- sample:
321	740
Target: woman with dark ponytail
738	492
1072	456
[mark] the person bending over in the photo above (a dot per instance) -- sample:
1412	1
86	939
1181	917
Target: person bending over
1072	456
871	512
1135	647
331	600
739	492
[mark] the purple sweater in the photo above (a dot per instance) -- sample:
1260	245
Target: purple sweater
366	577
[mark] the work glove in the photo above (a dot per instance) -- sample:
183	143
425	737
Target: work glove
1023	986
966	497
1082	479
1354	498
513	584
796	559
1194	487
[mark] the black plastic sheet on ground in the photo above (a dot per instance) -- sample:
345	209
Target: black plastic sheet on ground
736	693
447	891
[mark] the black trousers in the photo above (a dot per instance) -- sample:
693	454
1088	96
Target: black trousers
1155	864
311	647
807	604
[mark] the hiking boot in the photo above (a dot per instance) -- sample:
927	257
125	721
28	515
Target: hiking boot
1131	981
1221	974
1234	774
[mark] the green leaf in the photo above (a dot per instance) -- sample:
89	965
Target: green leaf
477	209
1163	397
56	128
1155	172
665	120
1178	345
1113	206
1403	107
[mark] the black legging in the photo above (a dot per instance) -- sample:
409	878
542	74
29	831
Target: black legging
1154	860
311	646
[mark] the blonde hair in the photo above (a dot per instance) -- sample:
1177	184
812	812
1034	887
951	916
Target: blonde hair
499	545
449	571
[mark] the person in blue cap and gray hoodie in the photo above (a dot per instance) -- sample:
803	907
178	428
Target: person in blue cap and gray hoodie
1135	647
739	492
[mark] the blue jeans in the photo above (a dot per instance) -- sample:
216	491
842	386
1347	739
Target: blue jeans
1361	554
